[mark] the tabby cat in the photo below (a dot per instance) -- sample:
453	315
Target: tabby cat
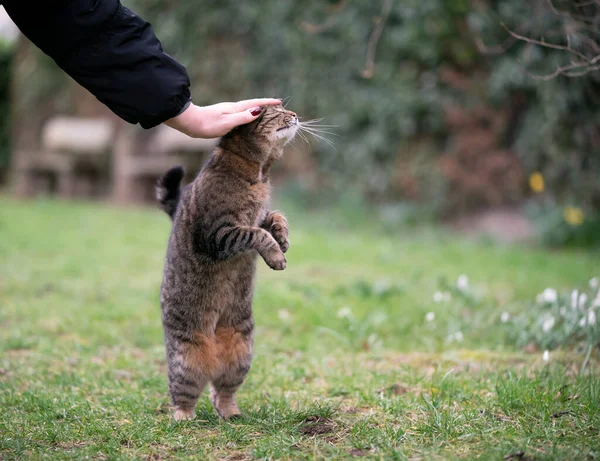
221	222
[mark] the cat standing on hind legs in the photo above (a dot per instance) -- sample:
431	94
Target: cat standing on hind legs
221	223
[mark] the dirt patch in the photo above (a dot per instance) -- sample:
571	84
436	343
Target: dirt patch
519	455
359	452
398	389
317	425
504	225
71	445
236	457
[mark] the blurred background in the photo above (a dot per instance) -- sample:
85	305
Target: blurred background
442	111
442	292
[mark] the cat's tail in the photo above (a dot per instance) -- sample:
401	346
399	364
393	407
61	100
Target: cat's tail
168	190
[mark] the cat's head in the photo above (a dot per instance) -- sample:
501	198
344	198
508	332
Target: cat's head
275	127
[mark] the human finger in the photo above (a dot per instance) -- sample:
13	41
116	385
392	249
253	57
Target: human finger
251	103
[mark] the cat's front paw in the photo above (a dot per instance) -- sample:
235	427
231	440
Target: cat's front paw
275	260
283	242
279	230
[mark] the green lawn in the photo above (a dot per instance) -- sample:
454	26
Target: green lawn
346	364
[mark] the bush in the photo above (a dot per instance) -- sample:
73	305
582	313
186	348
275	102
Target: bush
6	55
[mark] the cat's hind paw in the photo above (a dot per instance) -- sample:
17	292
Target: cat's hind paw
183	415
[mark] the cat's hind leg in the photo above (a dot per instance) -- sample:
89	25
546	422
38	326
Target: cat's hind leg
235	345
189	370
185	387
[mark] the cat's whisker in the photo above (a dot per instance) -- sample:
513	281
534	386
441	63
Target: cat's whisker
322	138
318	130
315	122
323	132
286	101
303	137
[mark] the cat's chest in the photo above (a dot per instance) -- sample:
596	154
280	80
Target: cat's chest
255	209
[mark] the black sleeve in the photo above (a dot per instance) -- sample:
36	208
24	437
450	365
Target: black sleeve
109	50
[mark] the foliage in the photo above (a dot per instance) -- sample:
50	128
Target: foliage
437	122
6	54
561	319
313	52
82	360
556	132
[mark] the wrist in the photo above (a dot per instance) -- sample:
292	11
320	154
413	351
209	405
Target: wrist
189	121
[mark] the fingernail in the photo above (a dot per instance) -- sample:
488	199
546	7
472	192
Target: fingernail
255	111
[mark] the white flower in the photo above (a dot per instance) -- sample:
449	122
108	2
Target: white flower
430	317
381	287
549	295
344	313
591	319
458	337
441	297
463	282
546	356
574	298
284	315
582	300
596	302
594	283
504	317
582	322
548	324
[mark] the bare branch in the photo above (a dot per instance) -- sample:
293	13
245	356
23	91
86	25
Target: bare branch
545	44
380	21
566	14
495	49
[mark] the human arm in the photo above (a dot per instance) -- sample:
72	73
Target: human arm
218	119
115	54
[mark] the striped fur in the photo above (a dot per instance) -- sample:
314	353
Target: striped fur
221	222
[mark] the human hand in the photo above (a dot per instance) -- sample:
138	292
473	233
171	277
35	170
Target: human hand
217	120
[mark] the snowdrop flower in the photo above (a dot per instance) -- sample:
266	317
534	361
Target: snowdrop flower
504	317
463	282
458	337
594	283
546	356
583	322
596	302
574	298
548	324
591	318
284	315
441	297
430	317
381	287
549	295
344	313
582	300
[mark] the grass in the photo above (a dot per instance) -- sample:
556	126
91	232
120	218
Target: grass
346	365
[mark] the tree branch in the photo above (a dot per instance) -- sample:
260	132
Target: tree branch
545	44
380	21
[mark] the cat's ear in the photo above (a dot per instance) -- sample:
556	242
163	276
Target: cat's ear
254	124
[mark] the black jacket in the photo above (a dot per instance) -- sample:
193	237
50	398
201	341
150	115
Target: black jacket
109	50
